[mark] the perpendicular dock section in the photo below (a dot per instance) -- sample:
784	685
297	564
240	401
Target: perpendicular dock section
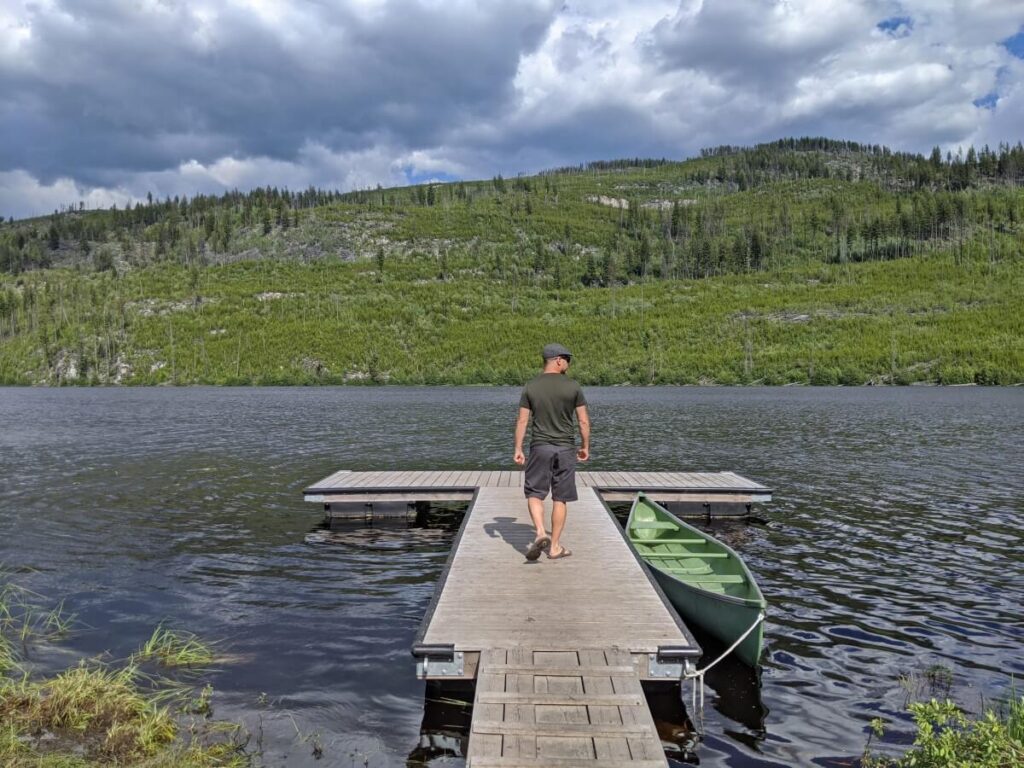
343	490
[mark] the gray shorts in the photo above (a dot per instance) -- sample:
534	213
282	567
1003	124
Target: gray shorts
551	468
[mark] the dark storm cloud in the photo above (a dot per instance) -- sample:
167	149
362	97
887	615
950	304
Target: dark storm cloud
104	100
104	87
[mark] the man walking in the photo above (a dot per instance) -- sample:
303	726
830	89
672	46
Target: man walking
551	398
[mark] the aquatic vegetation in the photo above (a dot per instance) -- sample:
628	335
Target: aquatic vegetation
96	714
23	621
176	649
949	738
102	708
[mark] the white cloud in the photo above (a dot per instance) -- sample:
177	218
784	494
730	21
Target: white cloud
180	98
22	195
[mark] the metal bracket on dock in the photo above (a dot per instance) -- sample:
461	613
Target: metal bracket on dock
438	661
666	670
669	663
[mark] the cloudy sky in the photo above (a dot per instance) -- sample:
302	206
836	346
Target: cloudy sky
102	101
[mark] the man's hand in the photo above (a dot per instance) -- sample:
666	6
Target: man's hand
583	454
519	457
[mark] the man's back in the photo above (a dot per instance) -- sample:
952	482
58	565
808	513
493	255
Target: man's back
552	398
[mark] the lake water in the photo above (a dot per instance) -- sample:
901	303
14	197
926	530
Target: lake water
893	544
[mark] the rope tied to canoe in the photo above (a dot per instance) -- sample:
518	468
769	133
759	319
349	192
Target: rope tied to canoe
697	675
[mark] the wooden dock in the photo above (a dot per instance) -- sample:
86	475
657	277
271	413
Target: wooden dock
348	487
558	648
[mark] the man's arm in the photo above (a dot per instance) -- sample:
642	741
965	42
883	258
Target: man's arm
584	420
521	422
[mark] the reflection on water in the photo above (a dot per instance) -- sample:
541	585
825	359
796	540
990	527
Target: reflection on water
892	545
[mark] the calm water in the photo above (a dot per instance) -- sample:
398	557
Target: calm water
894	544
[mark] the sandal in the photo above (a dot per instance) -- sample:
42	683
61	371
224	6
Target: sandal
538	546
564	553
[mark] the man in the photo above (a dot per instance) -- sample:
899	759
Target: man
551	398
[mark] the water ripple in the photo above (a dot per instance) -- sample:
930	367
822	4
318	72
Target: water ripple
893	543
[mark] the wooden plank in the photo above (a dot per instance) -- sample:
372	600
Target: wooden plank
569	687
531	730
399	479
605	748
398	496
561	659
553	671
565	762
639	748
619	480
550	697
701	497
654	479
487	744
521	739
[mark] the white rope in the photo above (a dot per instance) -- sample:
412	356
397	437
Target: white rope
698	674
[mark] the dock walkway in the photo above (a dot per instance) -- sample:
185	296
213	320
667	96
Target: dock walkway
558	648
560	645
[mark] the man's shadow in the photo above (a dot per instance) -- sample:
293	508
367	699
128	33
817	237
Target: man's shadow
517	535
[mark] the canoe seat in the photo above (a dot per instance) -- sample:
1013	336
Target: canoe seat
655	525
701	555
669	540
686	568
713	579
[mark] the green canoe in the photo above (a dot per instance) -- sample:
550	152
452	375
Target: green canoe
706	581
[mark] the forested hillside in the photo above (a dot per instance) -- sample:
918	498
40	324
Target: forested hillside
801	261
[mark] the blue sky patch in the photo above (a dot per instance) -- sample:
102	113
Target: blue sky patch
897	26
988	101
1015	44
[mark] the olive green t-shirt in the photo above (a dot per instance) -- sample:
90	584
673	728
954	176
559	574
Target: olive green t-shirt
553	399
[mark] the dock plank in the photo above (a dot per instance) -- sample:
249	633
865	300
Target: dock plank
488	744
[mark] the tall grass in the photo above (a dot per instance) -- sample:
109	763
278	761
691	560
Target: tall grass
176	649
95	714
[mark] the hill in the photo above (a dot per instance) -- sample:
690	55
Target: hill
801	261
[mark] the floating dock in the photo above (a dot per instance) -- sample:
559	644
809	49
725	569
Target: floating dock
347	488
557	648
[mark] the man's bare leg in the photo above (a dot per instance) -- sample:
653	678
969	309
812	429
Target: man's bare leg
558	511
536	507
